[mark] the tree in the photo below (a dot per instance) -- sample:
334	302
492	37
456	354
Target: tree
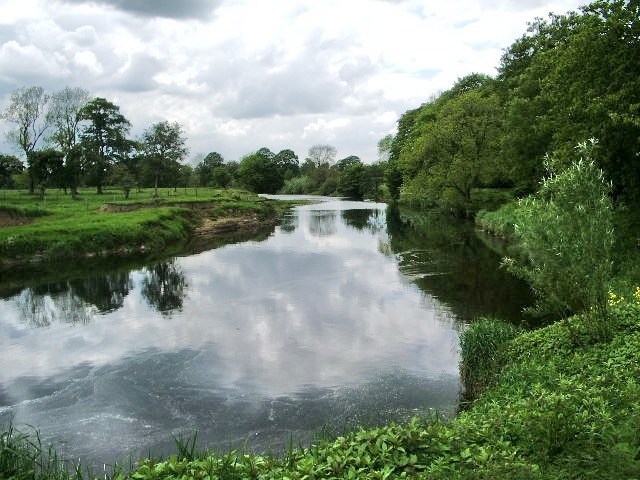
46	167
385	145
205	168
122	177
9	166
221	177
104	138
450	146
259	173
287	162
65	117
351	180
576	76
347	162
164	148
27	109
322	154
566	234
462	148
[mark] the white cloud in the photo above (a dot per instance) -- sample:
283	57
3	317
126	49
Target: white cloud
283	74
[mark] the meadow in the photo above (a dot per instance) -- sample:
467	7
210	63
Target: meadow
56	227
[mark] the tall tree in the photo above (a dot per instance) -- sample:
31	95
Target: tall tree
449	146
104	136
164	148
27	110
65	117
577	76
322	154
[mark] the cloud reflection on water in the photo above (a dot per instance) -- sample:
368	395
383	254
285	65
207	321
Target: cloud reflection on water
317	308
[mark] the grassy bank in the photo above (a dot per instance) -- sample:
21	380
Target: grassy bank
58	227
552	409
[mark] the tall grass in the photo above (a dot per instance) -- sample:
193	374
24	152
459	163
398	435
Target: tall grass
23	457
482	353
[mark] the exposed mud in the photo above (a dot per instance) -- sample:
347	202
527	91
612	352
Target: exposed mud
8	219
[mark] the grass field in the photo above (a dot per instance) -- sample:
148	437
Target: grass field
58	227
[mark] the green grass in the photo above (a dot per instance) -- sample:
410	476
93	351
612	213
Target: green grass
58	227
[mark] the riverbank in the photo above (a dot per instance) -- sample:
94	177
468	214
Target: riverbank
556	408
57	228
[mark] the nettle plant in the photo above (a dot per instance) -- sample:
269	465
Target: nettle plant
566	234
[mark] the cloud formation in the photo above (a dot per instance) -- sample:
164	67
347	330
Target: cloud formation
184	9
240	75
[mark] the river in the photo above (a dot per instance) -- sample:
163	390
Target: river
346	314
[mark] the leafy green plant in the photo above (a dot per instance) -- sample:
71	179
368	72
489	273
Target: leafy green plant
566	234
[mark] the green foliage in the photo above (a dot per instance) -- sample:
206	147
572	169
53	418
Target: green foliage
572	76
22	457
566	233
104	138
298	185
452	144
9	166
164	148
259	172
482	353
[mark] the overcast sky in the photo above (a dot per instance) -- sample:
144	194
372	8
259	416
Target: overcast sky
239	75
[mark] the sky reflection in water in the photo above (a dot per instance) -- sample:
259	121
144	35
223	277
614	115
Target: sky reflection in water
257	340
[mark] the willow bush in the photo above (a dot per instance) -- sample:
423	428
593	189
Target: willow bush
566	234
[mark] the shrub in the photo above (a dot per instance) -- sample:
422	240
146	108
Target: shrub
566	234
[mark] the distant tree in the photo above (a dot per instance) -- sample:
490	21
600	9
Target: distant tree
384	148
65	117
259	173
351	180
122	177
27	110
344	163
322	154
204	169
287	163
164	148
46	168
221	177
9	165
104	138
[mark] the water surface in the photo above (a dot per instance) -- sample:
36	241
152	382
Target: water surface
345	315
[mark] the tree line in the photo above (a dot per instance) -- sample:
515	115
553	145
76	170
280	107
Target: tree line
567	79
70	140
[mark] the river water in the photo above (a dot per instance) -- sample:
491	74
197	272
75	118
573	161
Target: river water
346	314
